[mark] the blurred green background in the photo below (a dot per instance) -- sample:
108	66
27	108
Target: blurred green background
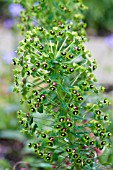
13	144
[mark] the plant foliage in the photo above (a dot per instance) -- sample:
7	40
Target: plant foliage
54	75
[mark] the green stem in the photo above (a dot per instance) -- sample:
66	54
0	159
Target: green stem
77	167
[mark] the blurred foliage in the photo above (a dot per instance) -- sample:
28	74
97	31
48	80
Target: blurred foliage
99	15
4	165
9	103
4	13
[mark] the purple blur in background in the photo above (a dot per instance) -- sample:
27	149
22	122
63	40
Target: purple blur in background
15	9
109	40
8	23
36	3
7	58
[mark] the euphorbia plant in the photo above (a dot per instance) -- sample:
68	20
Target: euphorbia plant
54	76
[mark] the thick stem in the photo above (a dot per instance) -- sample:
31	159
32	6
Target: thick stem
78	167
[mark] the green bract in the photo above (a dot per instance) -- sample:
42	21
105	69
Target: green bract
54	77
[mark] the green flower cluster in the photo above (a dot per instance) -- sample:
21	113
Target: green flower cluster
54	77
52	13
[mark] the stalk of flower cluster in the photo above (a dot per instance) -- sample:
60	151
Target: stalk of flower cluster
54	75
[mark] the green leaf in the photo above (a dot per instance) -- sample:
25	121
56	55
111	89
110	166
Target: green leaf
34	127
63	104
40	109
30	120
